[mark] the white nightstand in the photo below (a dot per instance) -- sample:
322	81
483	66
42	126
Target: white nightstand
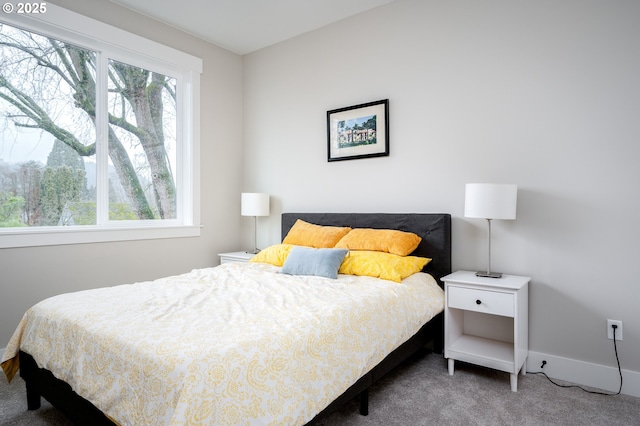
236	256
487	322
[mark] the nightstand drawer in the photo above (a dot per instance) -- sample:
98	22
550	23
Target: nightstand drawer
236	256
489	302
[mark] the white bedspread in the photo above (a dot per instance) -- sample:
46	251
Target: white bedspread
238	344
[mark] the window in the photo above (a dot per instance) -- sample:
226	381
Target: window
97	141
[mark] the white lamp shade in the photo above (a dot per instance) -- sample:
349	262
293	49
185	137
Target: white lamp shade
490	201
254	204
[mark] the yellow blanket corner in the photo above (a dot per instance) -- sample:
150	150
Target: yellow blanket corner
11	367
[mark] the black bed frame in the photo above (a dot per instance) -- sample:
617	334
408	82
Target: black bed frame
435	230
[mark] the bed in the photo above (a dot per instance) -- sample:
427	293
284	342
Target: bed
270	373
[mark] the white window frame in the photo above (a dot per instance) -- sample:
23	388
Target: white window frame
114	43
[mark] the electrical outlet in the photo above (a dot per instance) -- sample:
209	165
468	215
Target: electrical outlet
610	323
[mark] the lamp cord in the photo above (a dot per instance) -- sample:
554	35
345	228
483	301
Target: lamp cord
615	347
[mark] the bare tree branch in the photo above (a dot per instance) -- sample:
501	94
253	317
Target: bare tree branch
138	91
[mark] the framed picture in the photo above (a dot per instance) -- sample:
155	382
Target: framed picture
359	131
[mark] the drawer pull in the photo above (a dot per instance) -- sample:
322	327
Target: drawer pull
478	302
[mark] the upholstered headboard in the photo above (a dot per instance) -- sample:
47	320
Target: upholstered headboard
434	228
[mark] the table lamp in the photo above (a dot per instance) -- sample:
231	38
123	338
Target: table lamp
490	201
254	204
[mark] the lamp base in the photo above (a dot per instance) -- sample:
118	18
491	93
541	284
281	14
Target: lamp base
489	274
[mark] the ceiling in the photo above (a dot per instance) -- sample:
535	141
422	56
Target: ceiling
243	26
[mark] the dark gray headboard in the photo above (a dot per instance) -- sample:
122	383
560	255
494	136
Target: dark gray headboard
434	228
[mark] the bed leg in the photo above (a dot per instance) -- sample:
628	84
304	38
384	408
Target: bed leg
364	402
438	341
33	397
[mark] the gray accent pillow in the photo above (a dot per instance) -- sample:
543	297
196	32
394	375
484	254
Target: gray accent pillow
322	262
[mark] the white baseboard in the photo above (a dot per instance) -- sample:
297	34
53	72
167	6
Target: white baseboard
585	373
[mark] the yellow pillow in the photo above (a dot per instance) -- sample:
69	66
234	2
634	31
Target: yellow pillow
307	234
385	240
275	255
381	265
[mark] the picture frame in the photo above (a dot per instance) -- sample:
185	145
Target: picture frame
358	131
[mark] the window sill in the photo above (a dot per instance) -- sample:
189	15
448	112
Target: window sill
52	237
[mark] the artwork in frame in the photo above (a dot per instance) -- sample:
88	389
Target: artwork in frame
359	131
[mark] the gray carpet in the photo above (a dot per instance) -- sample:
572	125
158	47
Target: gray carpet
421	392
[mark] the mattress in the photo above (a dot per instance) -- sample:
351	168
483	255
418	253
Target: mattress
236	344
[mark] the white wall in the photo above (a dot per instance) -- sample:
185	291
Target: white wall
544	94
28	275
